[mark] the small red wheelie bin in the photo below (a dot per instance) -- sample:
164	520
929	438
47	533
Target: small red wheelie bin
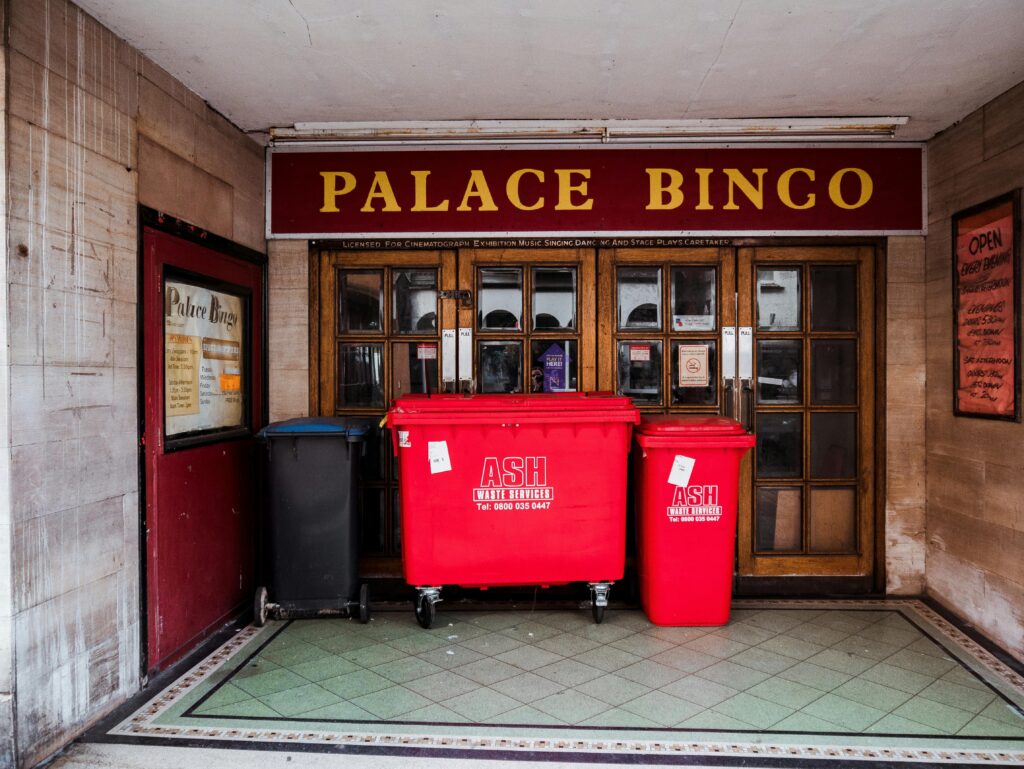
686	479
512	490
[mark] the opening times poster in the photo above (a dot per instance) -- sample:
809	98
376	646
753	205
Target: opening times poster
203	359
985	287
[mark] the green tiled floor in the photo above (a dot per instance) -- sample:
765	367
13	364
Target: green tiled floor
834	673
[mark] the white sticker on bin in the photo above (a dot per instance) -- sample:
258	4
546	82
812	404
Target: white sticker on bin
682	468
437	454
403	440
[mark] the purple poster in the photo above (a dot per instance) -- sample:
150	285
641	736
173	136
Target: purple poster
556	367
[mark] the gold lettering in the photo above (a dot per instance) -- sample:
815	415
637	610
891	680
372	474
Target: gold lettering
331	191
420	197
784	192
566	189
380	187
477	188
704	189
835	192
512	189
754	194
660	188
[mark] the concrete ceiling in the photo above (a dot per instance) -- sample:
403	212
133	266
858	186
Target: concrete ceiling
266	63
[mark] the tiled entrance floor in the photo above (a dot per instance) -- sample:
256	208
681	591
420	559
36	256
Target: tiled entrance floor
889	679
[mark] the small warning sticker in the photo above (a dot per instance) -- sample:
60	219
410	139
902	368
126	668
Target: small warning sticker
426	352
403	440
639	353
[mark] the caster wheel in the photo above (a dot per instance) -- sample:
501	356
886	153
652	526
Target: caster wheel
259	607
598	612
364	603
425	611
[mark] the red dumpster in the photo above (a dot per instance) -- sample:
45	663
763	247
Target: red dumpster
512	490
686	476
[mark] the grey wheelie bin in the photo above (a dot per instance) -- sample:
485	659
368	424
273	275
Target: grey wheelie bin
311	532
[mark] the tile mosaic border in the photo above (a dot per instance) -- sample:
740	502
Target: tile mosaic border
142	723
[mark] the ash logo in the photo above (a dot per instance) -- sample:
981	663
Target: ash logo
514	483
694	504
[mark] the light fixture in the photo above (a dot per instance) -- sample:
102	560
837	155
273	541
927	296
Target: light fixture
593	131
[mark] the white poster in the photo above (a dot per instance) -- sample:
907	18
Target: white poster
203	359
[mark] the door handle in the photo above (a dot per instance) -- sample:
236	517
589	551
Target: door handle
745	374
466	381
729	371
448	357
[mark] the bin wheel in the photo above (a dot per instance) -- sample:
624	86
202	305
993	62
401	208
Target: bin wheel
259	607
598	612
364	603
425	611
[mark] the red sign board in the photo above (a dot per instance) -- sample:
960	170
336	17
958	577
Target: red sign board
327	192
985	285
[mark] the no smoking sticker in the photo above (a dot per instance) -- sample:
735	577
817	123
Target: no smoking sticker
693	365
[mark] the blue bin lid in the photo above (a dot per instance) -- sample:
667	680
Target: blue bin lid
349	427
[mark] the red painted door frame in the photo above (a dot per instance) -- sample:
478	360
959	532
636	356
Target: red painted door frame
201	500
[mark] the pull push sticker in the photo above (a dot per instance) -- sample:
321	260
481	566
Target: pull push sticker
682	468
437	455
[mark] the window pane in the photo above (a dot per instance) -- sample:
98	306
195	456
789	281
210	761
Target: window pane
778	299
639	297
413	368
360	374
372	510
500	298
360	300
779	445
553	366
414	301
500	367
694	290
833	445
375	452
640	371
778	370
834	298
834	372
833	520
779	519
554	298
693	363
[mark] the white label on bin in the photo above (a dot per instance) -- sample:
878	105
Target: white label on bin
403	440
437	454
695	504
682	468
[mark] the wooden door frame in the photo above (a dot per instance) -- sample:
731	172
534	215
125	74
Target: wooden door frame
584	259
749	563
747	585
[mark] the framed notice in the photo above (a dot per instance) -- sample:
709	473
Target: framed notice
986	310
206	374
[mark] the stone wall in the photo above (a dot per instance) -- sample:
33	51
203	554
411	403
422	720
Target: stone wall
975	513
93	129
288	328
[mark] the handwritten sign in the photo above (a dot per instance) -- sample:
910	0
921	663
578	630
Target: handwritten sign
986	287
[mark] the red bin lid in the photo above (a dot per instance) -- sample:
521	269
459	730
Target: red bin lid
702	425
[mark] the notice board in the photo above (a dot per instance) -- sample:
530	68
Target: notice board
986	309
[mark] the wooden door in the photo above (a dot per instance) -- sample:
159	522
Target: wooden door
788	334
809	502
203	391
381	317
657	305
532	318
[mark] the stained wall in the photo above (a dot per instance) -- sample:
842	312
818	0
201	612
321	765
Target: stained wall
975	467
92	130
